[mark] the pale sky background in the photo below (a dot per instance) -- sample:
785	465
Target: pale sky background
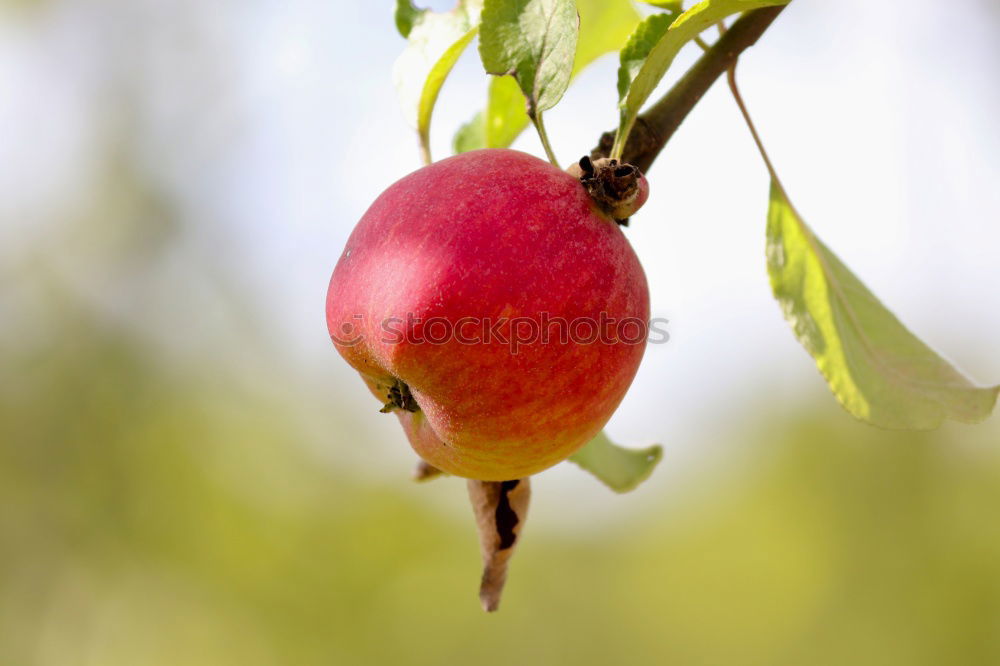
273	125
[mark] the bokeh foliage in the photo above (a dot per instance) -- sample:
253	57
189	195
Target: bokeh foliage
155	514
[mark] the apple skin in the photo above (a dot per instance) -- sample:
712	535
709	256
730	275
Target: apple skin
489	234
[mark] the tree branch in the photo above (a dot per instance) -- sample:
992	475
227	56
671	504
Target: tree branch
654	128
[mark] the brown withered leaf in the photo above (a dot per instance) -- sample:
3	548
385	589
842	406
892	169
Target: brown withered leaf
501	508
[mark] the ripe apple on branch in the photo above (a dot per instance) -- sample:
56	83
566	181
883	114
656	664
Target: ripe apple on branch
492	301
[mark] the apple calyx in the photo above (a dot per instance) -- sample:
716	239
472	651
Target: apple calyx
618	188
399	397
424	471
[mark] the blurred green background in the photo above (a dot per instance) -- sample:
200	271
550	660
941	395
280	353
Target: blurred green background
152	513
189	475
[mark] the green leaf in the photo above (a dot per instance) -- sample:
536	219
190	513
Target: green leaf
435	42
620	469
878	370
633	55
604	27
506	115
406	15
504	118
535	42
471	135
651	50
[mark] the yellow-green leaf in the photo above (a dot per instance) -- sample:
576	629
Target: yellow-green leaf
619	468
471	135
604	27
644	61
435	42
672	6
878	370
635	52
435	79
503	119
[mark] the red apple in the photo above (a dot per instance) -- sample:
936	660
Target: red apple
467	298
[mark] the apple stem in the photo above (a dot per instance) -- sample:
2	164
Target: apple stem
536	118
500	508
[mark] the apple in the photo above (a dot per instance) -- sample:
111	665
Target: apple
492	302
